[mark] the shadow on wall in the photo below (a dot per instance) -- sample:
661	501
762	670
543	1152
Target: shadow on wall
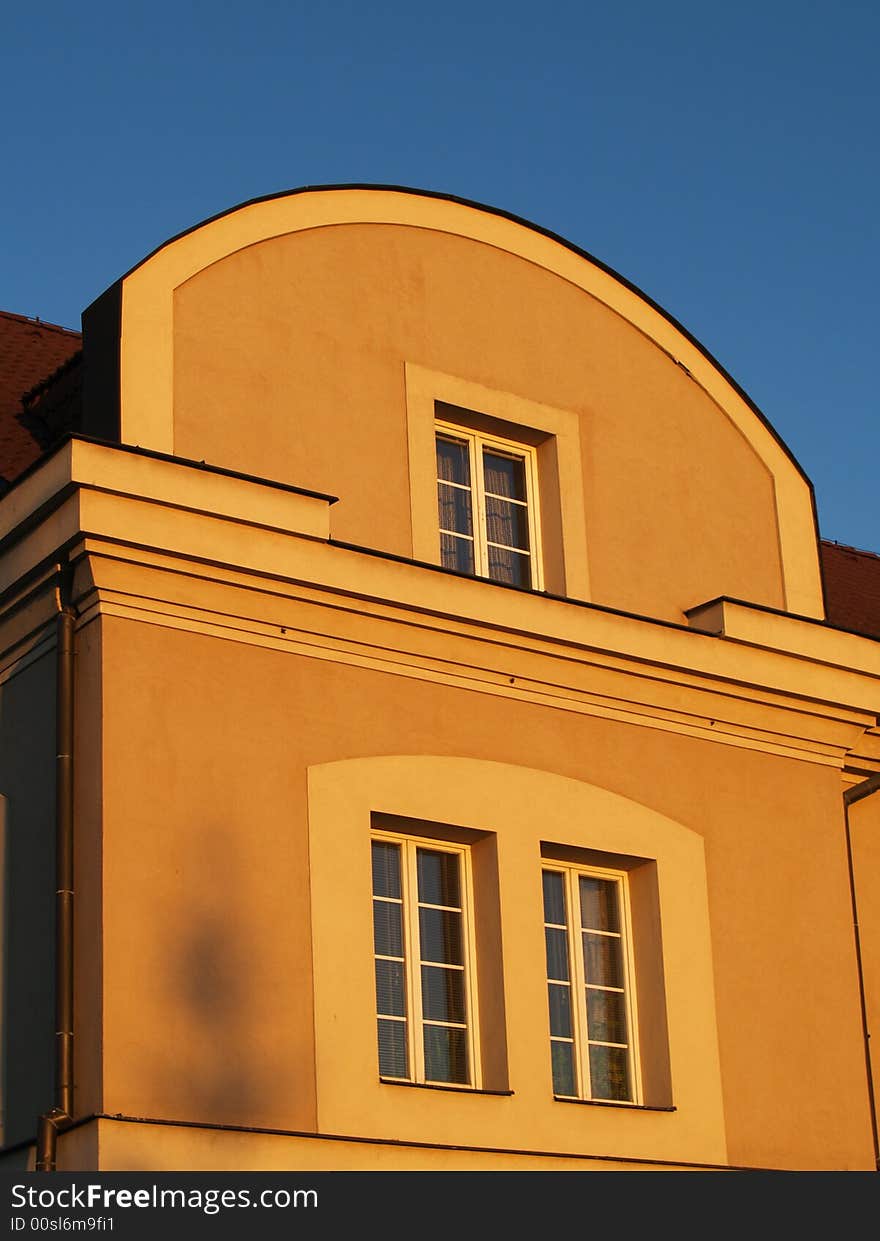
27	857
207	1050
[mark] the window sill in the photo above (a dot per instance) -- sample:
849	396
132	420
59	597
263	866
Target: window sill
630	1107
392	1081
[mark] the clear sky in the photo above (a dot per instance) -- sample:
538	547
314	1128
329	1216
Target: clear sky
722	157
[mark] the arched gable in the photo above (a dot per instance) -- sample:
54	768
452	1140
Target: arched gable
153	298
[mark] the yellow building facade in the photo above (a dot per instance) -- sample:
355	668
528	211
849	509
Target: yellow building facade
462	774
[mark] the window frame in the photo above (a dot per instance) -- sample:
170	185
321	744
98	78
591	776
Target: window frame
571	874
476	441
409	845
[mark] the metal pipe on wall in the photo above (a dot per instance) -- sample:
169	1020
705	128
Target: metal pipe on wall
55	1120
855	793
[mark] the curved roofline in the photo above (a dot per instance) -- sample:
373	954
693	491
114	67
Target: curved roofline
131	325
535	228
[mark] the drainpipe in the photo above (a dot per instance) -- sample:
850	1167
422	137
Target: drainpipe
855	793
53	1122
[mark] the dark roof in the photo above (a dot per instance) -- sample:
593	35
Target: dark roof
852	588
39	389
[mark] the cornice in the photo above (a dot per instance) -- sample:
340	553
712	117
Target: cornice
167	543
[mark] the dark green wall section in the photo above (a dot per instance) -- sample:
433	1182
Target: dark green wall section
27	1003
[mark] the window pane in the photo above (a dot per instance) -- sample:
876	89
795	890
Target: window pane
505	522
454	509
557	954
511	567
609	1073
504	476
606	1016
562	1059
386	869
439	878
554	898
391	989
600	907
457	553
603	962
387	933
453	461
560	1010
443	994
446	1058
392	1049
440	937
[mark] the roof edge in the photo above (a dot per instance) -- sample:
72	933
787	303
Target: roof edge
515	219
36	321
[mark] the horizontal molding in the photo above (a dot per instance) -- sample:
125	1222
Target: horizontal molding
477	677
184	514
186	1126
85	466
169	544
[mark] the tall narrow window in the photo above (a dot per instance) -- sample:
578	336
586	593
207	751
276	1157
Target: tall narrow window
589	983
488	507
421	932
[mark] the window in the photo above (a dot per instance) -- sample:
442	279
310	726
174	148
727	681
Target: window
589	983
549	440
424	976
488	506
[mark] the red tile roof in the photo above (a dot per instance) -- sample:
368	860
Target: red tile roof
30	353
852	588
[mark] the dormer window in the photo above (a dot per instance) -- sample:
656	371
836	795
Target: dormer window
487	498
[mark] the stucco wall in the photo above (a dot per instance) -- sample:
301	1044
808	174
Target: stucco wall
207	957
864	818
289	364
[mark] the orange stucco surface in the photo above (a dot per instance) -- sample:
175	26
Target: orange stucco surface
289	363
206	886
260	671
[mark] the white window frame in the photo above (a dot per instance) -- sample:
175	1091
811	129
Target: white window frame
476	441
415	1021
578	985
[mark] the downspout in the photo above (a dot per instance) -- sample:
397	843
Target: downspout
855	793
53	1122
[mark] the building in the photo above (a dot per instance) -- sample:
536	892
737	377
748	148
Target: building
519	830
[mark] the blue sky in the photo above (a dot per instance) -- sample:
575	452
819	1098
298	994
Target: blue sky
723	158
